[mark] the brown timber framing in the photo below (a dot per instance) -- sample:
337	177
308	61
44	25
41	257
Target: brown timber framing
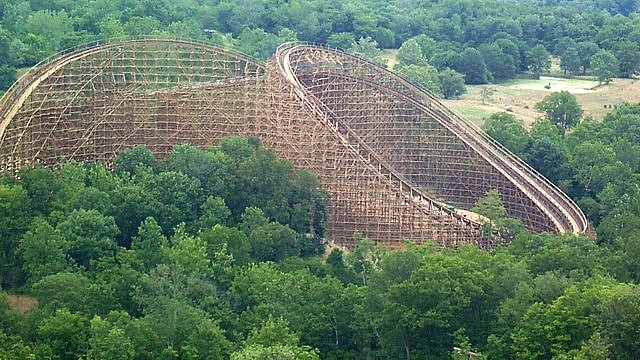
396	161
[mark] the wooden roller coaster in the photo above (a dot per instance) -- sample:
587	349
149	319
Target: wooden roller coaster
398	164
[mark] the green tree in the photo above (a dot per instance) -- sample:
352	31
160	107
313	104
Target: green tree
410	53
132	204
42	186
596	348
88	235
14	221
508	131
586	50
451	83
628	57
472	65
128	160
277	351
63	290
108	341
8	75
539	60
274	242
273	331
149	242
257	42
342	41
367	48
90	198
65	334
179	197
42	250
594	164
492	208
425	76
52	26
116	278
570	61
427	45
562	109
234	241
207	341
213	211
564	44
446	58
429	303
620	323
566	255
549	330
214	169
548	156
501	65
490	205
605	66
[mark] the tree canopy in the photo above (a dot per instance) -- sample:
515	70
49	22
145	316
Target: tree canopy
220	253
562	109
511	37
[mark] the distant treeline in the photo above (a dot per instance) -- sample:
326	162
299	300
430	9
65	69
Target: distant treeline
484	40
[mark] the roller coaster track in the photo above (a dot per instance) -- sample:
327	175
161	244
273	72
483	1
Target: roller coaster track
565	214
89	103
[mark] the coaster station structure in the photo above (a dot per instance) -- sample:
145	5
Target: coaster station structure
398	164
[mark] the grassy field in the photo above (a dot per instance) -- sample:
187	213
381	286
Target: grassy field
520	96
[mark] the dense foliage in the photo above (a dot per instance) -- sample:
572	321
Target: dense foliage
483	40
218	254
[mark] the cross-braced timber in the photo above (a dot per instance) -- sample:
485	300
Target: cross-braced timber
398	164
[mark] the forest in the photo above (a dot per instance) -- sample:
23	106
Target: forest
485	41
221	253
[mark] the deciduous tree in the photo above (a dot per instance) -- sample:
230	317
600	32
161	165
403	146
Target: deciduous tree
605	66
562	109
539	60
451	83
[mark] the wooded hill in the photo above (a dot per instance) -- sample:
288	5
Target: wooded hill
216	254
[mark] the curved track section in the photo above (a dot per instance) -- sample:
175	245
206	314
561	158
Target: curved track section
420	142
90	103
399	165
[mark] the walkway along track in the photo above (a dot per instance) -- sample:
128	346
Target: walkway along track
564	213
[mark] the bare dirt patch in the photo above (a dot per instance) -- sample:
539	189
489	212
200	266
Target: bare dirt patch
21	303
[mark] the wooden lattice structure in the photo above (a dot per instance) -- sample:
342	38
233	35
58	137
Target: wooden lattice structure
398	164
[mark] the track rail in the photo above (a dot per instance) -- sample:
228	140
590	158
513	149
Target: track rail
563	212
14	98
80	105
351	140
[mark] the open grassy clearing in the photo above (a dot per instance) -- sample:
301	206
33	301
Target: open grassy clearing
520	96
546	83
390	56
